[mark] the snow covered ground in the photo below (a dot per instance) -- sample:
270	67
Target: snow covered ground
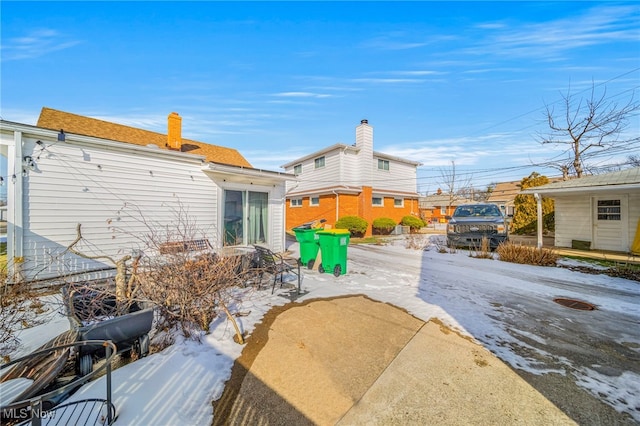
506	307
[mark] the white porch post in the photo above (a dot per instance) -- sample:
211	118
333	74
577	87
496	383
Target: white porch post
539	211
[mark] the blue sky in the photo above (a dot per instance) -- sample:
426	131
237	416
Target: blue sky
439	81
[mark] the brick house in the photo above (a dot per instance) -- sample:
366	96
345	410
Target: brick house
434	208
351	180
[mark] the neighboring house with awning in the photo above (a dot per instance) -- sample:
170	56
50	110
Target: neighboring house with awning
601	212
351	180
119	182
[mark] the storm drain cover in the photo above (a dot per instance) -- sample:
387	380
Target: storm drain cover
575	304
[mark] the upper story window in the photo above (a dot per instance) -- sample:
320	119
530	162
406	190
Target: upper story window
297	169
609	210
383	164
314	201
398	202
377	201
319	162
296	202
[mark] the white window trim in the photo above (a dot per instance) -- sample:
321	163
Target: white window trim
383	162
373	197
295	205
315	162
312	204
295	167
401	203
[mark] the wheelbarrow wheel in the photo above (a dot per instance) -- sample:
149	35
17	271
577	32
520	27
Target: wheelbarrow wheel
321	269
85	365
337	270
143	345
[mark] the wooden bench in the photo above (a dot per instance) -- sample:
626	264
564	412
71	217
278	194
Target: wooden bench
175	247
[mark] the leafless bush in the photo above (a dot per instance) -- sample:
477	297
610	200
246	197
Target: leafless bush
189	292
515	253
179	272
414	242
19	307
482	252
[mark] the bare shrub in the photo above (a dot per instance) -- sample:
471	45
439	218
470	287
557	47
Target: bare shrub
189	292
19	307
484	251
515	253
415	242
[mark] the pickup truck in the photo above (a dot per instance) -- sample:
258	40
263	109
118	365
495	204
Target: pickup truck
470	223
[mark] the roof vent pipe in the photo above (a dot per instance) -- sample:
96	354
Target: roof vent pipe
364	121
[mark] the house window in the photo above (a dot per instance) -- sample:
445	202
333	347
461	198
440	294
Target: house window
609	210
377	201
398	202
319	162
443	210
383	164
314	201
297	169
296	202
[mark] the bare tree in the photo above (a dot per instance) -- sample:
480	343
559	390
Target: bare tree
589	127
452	182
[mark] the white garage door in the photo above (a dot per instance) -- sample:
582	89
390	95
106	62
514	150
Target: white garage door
610	224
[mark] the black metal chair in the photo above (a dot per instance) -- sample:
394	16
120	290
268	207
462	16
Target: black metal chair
277	265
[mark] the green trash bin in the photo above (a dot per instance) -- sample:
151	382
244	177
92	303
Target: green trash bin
333	248
308	239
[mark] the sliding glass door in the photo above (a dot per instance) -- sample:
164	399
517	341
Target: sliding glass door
246	217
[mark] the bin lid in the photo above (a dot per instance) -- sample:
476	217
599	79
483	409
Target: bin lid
334	232
305	229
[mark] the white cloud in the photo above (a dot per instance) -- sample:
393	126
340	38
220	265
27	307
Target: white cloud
302	95
35	44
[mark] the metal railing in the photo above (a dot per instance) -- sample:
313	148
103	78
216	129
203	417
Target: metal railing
72	412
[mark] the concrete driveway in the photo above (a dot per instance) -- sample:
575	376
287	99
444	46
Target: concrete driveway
354	361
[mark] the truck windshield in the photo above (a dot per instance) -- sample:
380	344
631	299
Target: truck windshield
470	211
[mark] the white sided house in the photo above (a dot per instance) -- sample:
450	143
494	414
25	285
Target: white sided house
351	180
601	211
122	191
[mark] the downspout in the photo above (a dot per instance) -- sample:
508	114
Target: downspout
539	211
15	230
337	204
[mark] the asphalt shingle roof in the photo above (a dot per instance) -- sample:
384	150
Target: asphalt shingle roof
609	180
87	126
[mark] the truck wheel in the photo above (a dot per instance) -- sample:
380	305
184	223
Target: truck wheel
337	270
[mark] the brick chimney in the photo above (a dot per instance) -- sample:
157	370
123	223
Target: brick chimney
174	133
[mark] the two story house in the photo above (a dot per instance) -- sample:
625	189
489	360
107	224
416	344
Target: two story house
351	180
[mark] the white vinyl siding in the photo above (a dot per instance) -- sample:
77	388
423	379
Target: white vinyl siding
573	220
117	192
399	177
